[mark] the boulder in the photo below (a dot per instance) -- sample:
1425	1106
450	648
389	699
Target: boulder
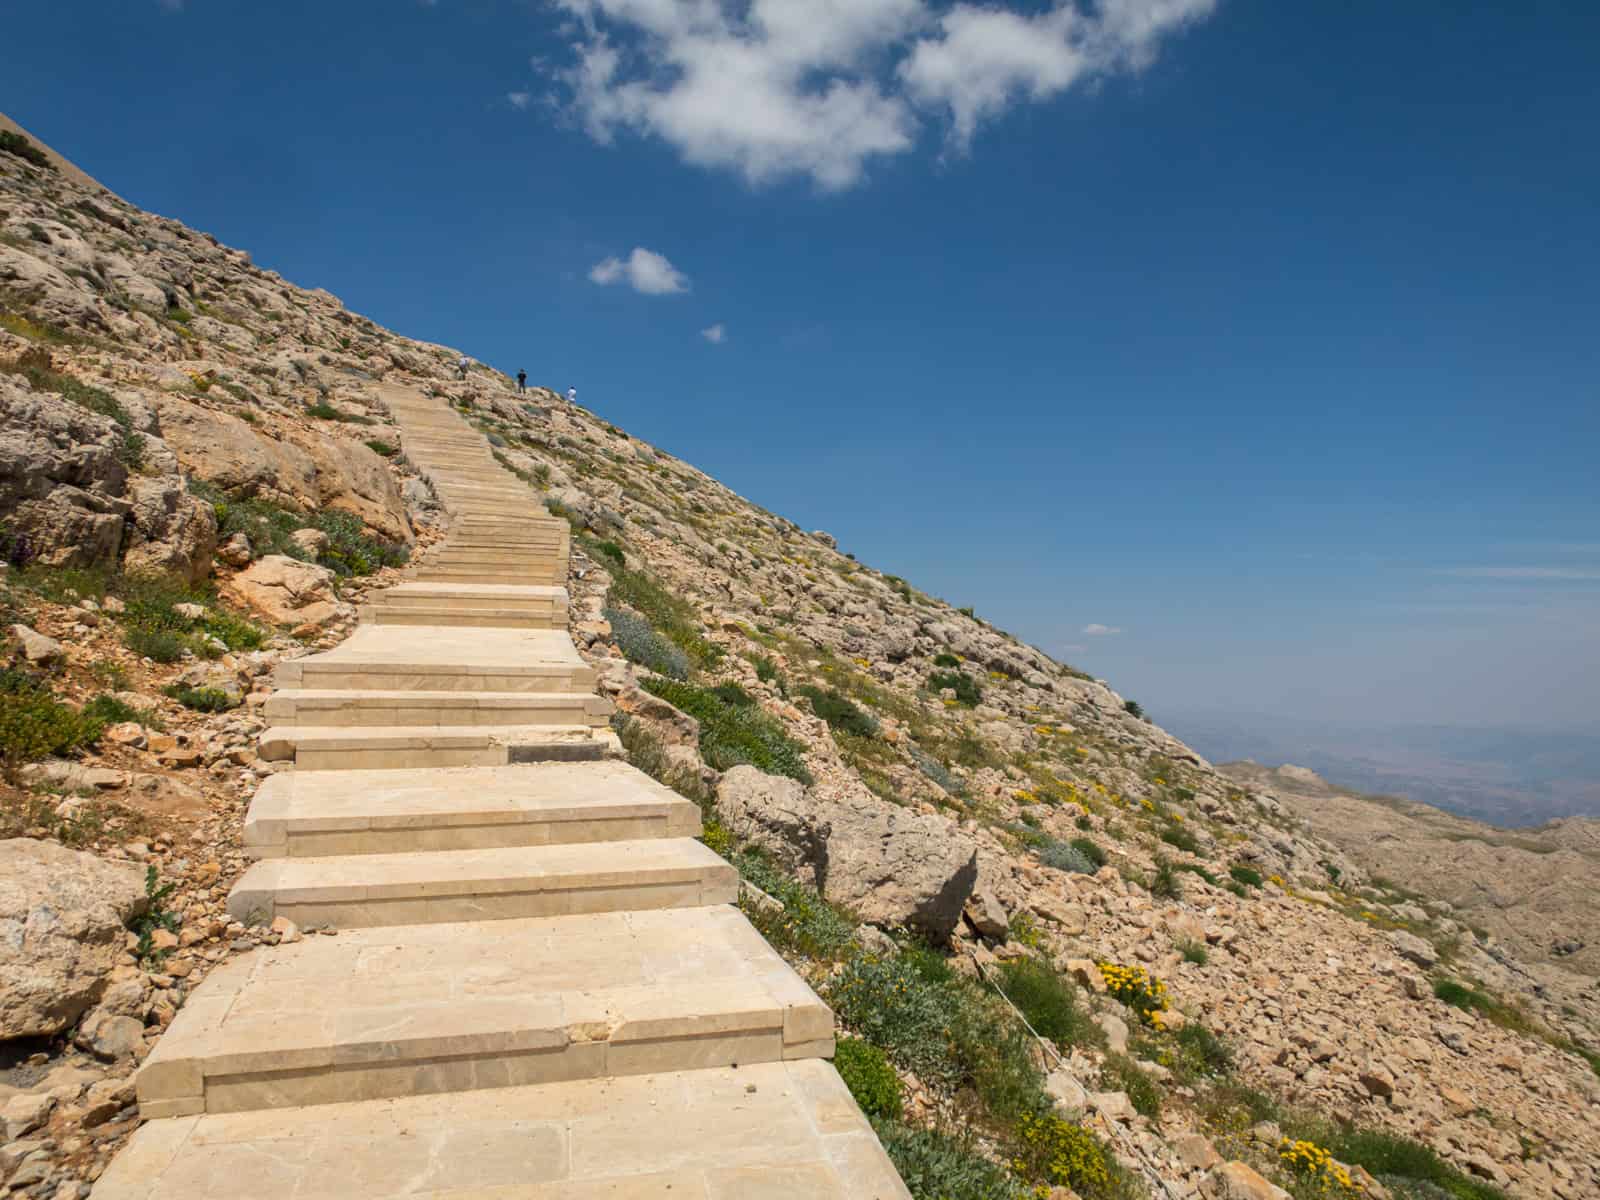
63	915
36	647
1410	946
236	551
890	865
1239	1181
169	530
61	481
284	590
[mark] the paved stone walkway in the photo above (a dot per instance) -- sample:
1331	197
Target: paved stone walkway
539	987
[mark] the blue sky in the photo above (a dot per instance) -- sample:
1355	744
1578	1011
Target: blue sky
1263	335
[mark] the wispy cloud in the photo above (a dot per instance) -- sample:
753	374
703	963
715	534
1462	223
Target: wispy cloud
820	88
715	334
519	100
644	271
1095	629
1526	573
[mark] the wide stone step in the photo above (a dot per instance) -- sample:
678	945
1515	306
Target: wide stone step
411	1010
321	813
422	888
438	615
445	709
761	1131
413	594
345	747
472	575
444	658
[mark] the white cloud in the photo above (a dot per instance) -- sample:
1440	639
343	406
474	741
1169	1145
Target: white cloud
1095	629
1522	572
519	100
819	88
715	334
644	271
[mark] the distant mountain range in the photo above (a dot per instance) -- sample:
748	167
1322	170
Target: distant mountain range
1503	775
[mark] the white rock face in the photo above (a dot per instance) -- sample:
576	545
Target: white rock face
62	918
893	866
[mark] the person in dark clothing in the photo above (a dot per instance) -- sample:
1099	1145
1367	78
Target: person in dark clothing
522	381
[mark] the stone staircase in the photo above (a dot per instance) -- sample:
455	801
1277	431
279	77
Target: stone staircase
539	987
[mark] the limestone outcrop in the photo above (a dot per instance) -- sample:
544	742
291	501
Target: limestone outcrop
894	868
63	919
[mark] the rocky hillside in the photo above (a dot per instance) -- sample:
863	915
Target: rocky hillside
197	479
1532	888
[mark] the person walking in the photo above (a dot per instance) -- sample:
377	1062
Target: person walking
572	395
462	365
522	381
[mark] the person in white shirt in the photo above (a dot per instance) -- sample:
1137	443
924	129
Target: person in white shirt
463	365
572	395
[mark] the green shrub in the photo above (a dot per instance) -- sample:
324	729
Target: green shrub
840	712
1193	952
946	660
1201	1053
805	924
936	771
158	645
1066	857
15	143
1180	838
670	614
966	689
1133	709
34	365
611	551
108	710
1057	1152
1091	850
1049	1002
202	699
1248	876
732	693
35	725
731	735
766	669
1166	884
948	1030
1197	869
1390	1157
939	1166
892	1005
643	645
1125	1075
351	550
382	448
870	1078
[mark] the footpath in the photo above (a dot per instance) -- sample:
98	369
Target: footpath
537	986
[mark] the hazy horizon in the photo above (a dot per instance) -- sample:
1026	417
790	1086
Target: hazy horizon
1506	775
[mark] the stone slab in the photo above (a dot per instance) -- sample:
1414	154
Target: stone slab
414	1009
373	812
768	1131
415	887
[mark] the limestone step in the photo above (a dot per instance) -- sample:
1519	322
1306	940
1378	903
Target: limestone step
410	1010
416	888
380	747
471	575
469	597
438	615
322	813
444	658
444	709
763	1131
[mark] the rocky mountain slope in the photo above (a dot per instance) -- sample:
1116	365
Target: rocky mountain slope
1532	888
889	772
